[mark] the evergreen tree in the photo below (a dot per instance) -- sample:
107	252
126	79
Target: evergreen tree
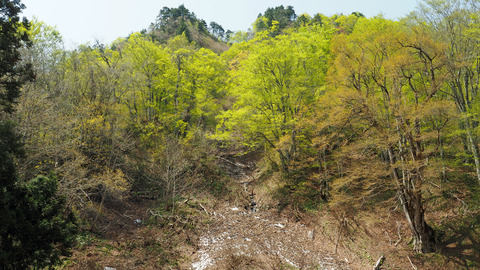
33	231
12	75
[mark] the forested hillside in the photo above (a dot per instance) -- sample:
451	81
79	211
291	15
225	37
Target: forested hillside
364	130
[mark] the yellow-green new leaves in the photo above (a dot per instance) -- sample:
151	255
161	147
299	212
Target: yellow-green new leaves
205	84
274	80
173	87
97	114
198	84
387	78
148	76
456	23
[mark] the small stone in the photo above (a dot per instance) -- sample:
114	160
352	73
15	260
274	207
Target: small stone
311	235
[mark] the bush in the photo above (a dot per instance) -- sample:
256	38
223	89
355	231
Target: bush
35	232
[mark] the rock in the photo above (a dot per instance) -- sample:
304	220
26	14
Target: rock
109	268
311	235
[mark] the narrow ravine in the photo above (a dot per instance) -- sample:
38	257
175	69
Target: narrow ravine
259	240
239	238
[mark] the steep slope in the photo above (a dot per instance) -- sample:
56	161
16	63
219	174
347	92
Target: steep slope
242	236
242	239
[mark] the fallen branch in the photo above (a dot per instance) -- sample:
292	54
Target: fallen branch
379	263
343	224
399	226
464	204
388	236
204	209
234	163
413	266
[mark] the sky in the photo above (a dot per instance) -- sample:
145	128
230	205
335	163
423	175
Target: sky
84	21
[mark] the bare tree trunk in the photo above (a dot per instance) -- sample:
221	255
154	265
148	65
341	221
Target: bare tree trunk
412	205
423	234
474	150
177	85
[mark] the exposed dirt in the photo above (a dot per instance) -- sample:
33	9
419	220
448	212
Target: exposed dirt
242	237
245	234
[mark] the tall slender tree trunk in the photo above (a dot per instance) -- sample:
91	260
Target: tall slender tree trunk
177	85
474	150
463	101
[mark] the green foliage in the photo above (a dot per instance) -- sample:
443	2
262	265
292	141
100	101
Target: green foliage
242	36
303	20
455	23
121	107
274	84
347	23
10	149
172	22
217	30
261	24
36	233
350	110
283	16
13	73
169	18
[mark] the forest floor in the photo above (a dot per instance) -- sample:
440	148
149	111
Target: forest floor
242	239
219	235
233	238
241	235
208	233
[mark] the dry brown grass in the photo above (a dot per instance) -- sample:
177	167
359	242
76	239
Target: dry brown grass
164	242
362	233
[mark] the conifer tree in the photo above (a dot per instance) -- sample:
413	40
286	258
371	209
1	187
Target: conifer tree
33	231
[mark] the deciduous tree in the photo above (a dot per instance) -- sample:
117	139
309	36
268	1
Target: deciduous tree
278	79
455	22
387	78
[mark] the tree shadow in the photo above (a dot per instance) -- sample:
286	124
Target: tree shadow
460	241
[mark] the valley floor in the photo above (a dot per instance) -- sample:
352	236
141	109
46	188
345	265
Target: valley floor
242	239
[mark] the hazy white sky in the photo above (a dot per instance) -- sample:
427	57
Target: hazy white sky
82	21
